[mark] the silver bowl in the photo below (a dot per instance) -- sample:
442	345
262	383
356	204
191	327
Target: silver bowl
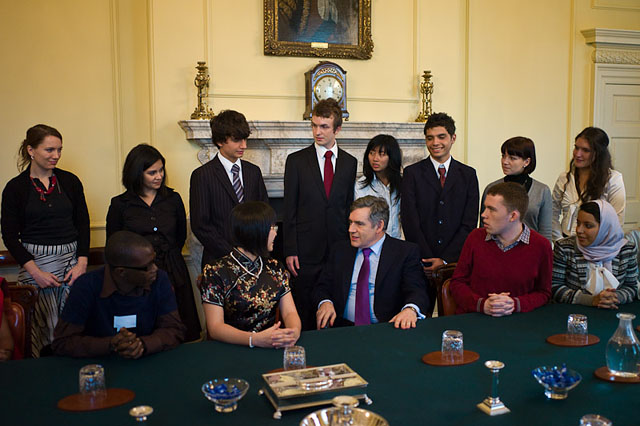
344	412
225	393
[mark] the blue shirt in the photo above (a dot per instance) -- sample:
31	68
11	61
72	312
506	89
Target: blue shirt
85	306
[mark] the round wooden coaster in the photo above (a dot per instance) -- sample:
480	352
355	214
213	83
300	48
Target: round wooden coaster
574	341
435	358
79	402
638	328
604	374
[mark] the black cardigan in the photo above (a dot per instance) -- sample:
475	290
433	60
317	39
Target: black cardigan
14	202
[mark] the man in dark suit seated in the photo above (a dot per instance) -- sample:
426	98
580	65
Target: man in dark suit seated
440	196
127	307
505	267
376	278
221	184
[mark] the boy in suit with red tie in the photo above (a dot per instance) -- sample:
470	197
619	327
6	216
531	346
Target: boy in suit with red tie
222	183
318	190
440	196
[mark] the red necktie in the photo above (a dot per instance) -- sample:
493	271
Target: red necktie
328	172
363	308
442	171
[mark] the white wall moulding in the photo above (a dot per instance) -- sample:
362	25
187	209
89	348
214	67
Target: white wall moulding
614	46
271	141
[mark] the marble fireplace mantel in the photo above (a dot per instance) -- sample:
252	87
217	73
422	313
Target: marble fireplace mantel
272	141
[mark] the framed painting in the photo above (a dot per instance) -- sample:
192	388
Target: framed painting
318	28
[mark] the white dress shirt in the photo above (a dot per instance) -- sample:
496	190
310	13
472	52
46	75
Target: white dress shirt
320	151
227	166
437	165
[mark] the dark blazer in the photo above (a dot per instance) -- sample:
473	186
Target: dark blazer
211	198
312	223
399	279
439	219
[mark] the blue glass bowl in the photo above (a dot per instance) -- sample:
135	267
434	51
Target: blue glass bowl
557	381
225	393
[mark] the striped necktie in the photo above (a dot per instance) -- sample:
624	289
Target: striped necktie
237	184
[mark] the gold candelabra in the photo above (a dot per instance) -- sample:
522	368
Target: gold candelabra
426	90
202	111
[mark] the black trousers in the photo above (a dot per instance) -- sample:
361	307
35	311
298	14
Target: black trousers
302	288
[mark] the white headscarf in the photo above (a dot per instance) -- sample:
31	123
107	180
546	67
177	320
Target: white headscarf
603	250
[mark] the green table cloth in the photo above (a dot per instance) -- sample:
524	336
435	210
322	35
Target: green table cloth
404	390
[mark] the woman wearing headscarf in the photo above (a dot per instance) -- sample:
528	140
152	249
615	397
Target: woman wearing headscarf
597	266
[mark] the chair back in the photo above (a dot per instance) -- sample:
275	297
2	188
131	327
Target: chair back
448	302
440	275
22	300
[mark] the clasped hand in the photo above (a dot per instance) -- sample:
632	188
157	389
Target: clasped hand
127	344
499	305
607	299
276	337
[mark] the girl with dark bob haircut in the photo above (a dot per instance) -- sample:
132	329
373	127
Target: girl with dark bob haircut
241	291
381	177
45	227
518	161
597	266
590	177
151	209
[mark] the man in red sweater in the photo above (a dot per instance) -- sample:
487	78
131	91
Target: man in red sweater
504	267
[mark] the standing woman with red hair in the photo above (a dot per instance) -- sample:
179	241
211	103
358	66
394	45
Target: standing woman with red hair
45	226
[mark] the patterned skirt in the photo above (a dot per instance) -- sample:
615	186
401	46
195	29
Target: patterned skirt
58	260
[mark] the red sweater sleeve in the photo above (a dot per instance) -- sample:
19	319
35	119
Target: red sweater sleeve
460	285
541	292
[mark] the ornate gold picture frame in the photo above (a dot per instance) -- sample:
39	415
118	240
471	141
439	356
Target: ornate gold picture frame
318	28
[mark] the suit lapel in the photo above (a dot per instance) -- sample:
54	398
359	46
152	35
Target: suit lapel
246	186
347	272
384	263
223	177
314	167
452	176
429	175
340	173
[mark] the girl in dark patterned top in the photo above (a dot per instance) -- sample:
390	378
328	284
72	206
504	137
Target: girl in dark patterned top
242	290
155	211
598	266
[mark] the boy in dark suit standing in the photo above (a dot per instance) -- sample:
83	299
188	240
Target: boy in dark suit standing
440	197
222	183
318	190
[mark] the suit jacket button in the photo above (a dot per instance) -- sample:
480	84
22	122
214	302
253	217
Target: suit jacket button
155	228
439	241
441	202
440	222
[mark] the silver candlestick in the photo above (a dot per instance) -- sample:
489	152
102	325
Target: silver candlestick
492	404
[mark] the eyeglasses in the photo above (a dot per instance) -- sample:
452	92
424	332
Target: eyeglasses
274	228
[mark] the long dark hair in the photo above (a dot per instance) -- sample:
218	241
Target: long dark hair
600	167
139	159
35	136
389	145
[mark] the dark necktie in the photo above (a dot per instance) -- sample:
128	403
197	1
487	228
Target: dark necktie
328	172
442	171
237	185
363	309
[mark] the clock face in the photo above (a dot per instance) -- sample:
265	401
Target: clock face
328	87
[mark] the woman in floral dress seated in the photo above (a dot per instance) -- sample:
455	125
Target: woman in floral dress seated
241	291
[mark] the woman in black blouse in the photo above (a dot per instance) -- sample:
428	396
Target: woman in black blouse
155	211
45	226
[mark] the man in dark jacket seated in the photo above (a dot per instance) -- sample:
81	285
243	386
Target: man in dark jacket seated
376	278
126	307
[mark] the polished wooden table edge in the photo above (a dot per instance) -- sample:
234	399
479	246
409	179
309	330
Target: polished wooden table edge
567	340
603	373
436	359
82	402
